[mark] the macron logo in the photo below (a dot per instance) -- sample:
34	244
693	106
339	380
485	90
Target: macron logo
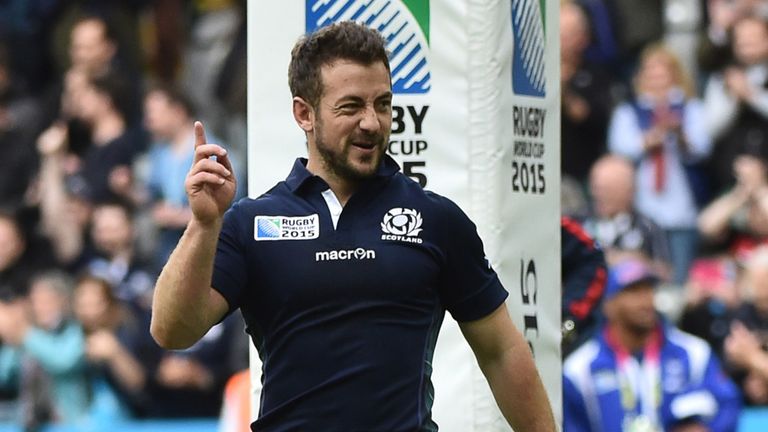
345	255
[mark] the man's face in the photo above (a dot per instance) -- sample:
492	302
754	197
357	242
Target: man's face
48	305
90	50
91	305
112	229
750	42
611	189
353	119
656	74
633	308
574	30
160	116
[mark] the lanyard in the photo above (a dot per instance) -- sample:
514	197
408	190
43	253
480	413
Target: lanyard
639	382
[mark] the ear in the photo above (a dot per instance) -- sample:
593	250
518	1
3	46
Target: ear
303	114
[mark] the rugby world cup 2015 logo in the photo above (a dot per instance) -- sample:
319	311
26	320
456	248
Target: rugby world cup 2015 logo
528	30
403	23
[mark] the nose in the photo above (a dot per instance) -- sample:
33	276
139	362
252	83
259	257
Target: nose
370	120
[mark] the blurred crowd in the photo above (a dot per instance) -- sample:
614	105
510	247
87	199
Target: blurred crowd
665	162
97	102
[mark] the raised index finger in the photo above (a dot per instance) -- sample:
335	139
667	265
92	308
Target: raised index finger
199	134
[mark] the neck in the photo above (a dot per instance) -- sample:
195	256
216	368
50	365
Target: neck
632	341
108	127
343	188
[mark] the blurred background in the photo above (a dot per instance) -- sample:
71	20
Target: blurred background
664	121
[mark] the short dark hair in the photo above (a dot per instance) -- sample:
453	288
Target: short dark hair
175	97
116	89
343	40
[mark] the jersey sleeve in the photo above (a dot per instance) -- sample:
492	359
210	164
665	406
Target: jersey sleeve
470	288
583	272
229	268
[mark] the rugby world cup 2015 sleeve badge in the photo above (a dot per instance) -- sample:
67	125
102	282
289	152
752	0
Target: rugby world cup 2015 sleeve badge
286	227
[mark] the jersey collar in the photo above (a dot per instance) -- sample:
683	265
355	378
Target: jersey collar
300	176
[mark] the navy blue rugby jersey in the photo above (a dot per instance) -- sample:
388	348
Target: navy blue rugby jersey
345	314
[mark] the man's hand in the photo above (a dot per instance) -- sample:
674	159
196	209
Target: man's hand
101	346
507	363
741	346
180	372
14	322
53	141
210	183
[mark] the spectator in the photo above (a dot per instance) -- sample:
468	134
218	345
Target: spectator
25	25
737	221
46	352
712	298
118	349
640	373
714	52
614	222
94	49
106	164
623	28
744	346
116	260
169	118
65	202
190	383
737	101
585	99
583	279
663	130
19	125
21	255
15	270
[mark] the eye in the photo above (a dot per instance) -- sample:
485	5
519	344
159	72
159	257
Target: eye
349	108
384	105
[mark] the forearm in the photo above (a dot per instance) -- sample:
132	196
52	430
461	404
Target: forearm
127	370
714	218
182	310
58	225
760	197
519	391
758	363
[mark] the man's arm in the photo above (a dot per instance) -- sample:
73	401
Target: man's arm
185	306
507	363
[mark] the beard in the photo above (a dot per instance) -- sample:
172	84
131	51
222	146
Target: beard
337	160
641	326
